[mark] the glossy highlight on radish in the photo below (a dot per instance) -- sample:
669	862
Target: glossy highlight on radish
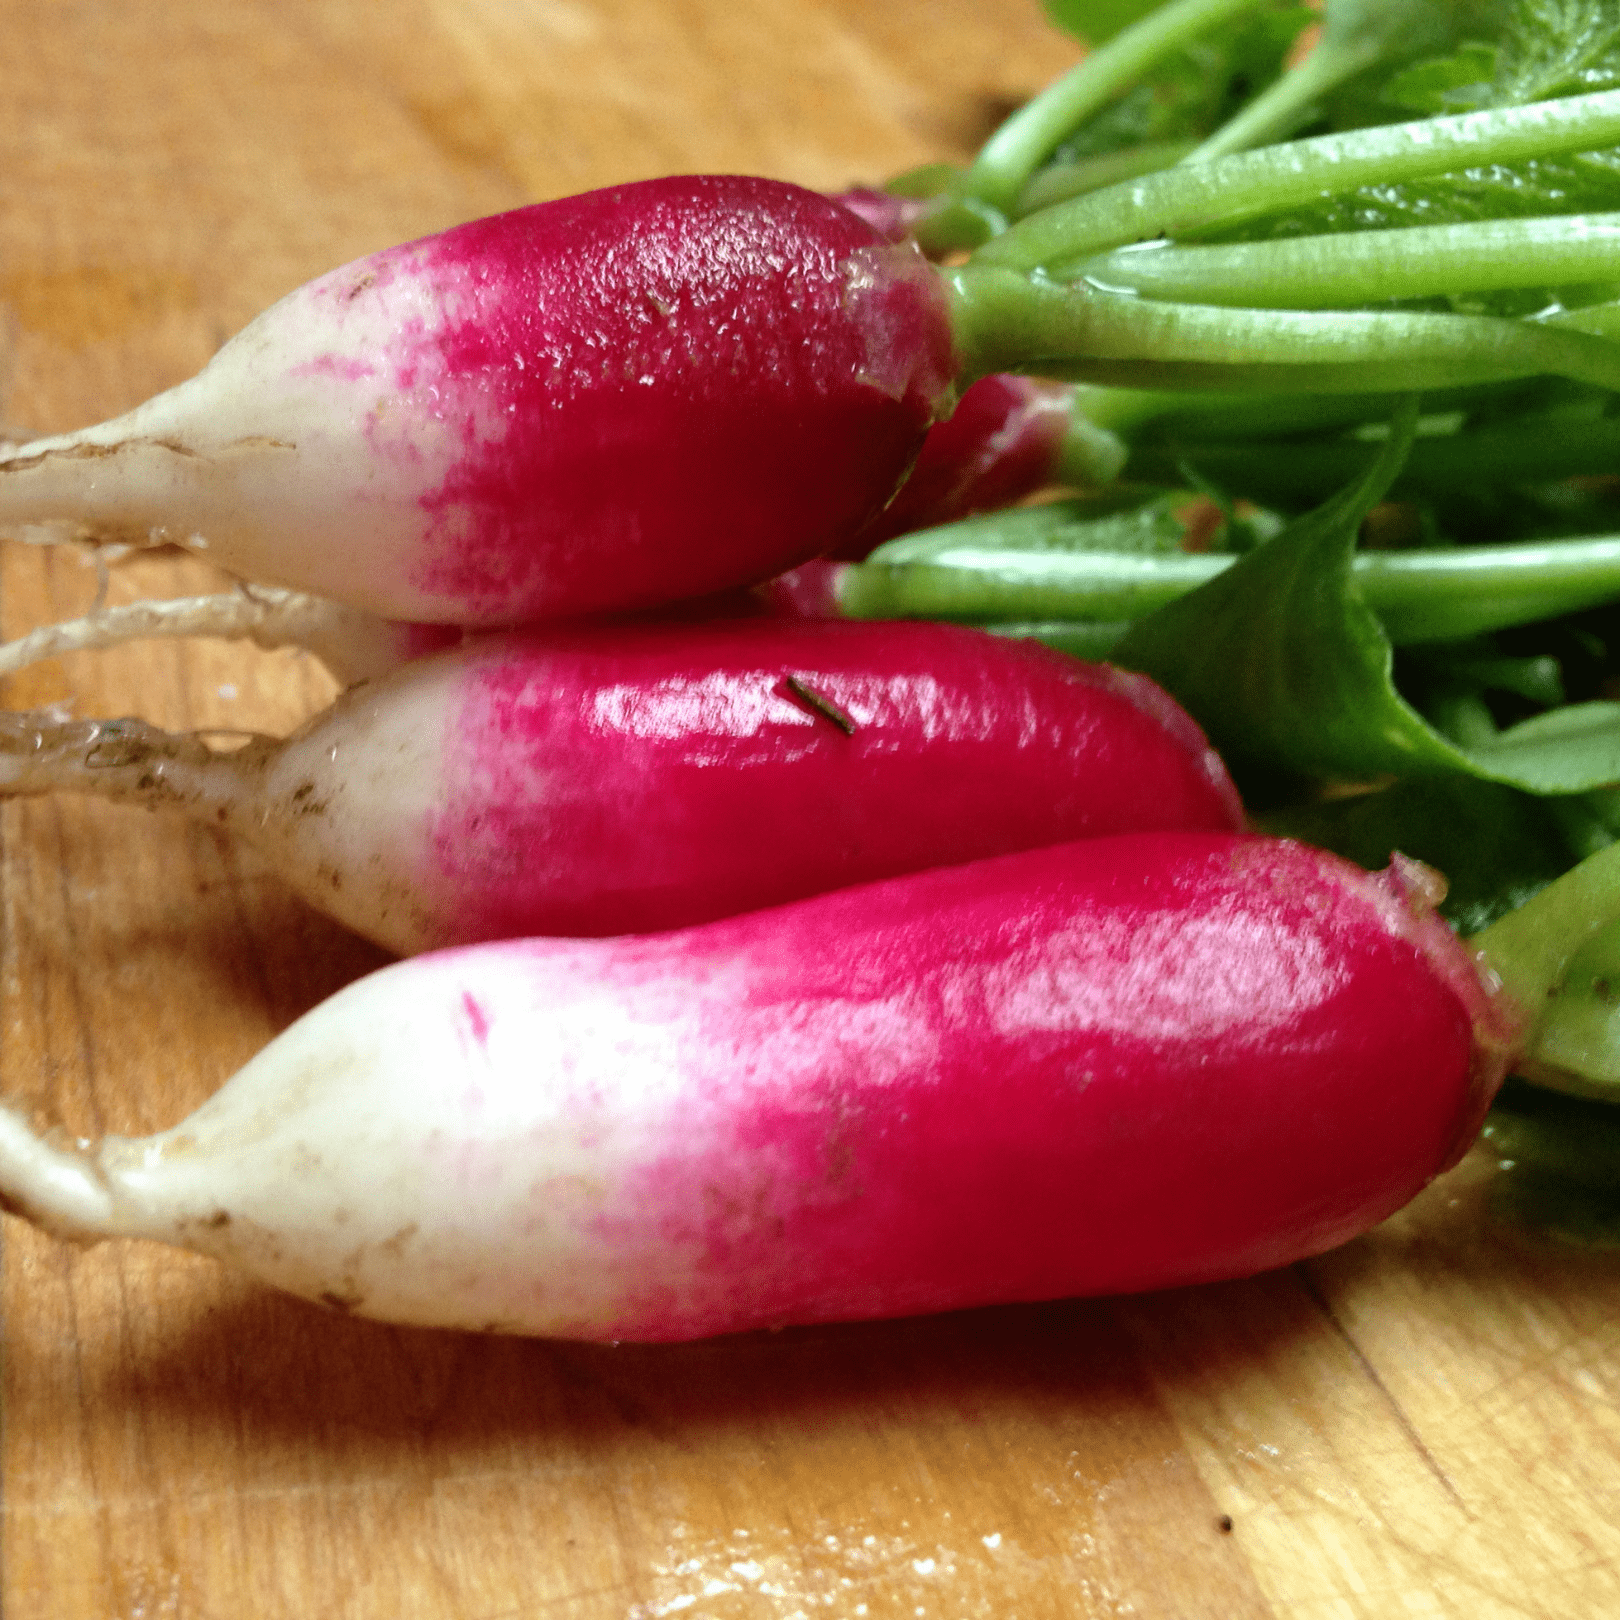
633	396
1117	1065
589	782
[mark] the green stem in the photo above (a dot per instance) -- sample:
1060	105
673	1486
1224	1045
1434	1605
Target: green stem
1602	320
993	583
1534	948
1034	132
925	181
1006	321
1167	415
1421	596
1283	106
1058	182
1462	717
1088	456
1576	1045
957	225
1365	267
1195	196
1539	450
1078	639
1461	591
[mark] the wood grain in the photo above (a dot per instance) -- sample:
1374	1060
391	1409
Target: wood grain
1424	1423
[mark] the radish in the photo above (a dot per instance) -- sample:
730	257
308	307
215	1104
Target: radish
609	401
893	216
598	782
1008	437
1123	1064
659	390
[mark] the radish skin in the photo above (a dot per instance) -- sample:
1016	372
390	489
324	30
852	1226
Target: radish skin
1008	437
892	216
606	781
1004	440
605	402
1110	1066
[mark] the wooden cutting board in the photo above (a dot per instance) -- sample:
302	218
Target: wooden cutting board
1422	1424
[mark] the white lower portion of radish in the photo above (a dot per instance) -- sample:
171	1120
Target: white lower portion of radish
280	467
392	1154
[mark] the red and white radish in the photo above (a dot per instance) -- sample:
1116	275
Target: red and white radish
1115	1065
609	401
606	781
1008	437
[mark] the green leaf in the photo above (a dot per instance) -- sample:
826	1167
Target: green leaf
1193	91
1557	48
1575	1138
1151	524
1290	672
1587	183
1496	845
1363	43
1097	21
1444	84
1567	750
1536	50
1403	30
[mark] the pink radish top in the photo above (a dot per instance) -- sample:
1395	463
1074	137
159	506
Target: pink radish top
600	782
894	217
659	389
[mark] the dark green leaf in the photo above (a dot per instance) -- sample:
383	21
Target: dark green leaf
1495	845
1193	91
1576	1138
1403	30
1289	671
1560	1164
1557	48
1546	1204
1097	21
1444	84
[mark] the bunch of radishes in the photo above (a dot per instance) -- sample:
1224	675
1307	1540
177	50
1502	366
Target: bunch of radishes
942	972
